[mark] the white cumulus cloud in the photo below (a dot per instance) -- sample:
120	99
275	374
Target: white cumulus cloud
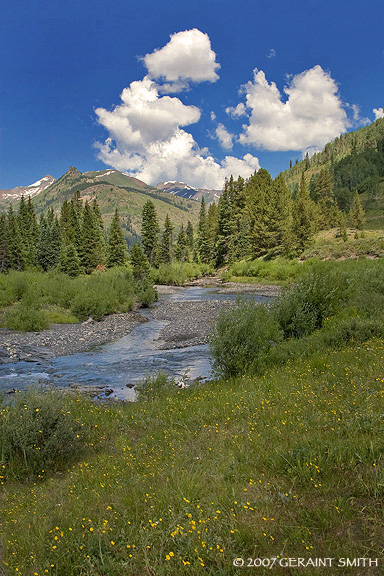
188	57
224	137
378	112
146	140
309	115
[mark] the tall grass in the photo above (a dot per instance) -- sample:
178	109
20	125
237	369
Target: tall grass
32	299
177	273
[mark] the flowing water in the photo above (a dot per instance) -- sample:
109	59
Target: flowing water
124	361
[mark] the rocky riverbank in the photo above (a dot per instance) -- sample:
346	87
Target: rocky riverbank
188	324
65	339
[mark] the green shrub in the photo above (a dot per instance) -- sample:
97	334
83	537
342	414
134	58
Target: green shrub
145	292
242	338
317	295
38	435
26	317
177	273
153	385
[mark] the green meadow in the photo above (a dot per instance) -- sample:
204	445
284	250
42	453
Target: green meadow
279	456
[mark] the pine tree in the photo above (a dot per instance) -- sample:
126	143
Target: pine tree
202	240
282	217
89	247
181	245
149	230
26	219
190	235
49	243
224	230
117	246
4	264
69	262
259	206
356	213
325	198
304	217
139	262
212	224
100	231
15	245
166	249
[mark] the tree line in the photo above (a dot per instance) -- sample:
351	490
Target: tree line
74	242
253	218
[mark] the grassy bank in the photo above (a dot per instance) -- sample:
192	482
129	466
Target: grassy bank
32	300
288	464
284	461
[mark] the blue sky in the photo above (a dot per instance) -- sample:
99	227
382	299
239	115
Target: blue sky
193	106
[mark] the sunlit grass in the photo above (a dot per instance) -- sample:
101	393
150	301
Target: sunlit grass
289	463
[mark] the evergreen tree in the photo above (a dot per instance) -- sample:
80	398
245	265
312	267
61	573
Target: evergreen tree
282	217
258	191
212	224
190	235
100	231
117	246
304	217
166	250
325	198
139	262
69	262
149	230
28	227
89	248
356	213
224	230
15	245
49	243
4	264
181	245
202	240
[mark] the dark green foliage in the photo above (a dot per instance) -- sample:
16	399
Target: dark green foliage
333	304
117	246
181	245
224	229
356	213
38	434
166	245
190	235
139	262
149	230
27	316
49	245
316	296
69	262
202	236
242	337
4	262
90	248
304	217
15	247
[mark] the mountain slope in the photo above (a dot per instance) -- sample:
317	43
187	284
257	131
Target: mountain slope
10	196
185	191
351	143
112	189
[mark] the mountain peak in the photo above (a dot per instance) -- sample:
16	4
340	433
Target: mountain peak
72	171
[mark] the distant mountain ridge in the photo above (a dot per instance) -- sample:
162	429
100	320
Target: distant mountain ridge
186	191
112	189
32	190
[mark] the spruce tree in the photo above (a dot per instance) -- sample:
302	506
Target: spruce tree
325	198
28	227
4	264
259	206
100	231
49	243
190	235
305	217
15	245
181	245
139	262
224	230
89	247
356	213
117	246
282	217
166	246
149	230
69	262
202	239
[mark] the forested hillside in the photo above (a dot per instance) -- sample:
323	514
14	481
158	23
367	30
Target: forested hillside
354	162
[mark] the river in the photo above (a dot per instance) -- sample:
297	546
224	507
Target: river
125	361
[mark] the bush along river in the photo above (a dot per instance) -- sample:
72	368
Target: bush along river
171	336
